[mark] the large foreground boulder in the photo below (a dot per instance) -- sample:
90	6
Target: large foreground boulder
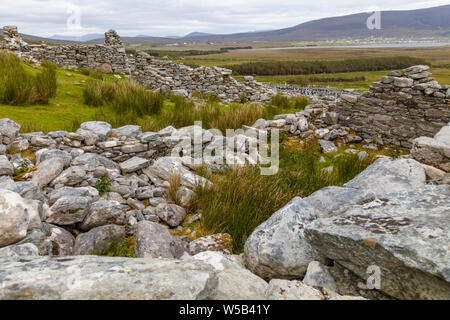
235	282
94	278
277	248
386	176
406	235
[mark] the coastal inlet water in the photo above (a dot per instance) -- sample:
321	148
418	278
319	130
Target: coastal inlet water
366	46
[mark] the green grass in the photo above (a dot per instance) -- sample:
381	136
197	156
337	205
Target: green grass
241	198
19	87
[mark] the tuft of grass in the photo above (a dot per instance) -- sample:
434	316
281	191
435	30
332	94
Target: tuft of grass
241	198
131	97
19	87
103	185
174	188
126	97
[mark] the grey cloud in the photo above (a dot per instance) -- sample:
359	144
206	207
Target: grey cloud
178	17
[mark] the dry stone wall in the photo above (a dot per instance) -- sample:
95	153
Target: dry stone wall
157	73
111	57
403	106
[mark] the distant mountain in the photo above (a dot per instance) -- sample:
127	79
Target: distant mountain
83	38
197	34
430	22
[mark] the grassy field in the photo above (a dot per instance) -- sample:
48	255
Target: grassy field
442	75
437	56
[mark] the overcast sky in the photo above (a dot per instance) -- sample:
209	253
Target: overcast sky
179	17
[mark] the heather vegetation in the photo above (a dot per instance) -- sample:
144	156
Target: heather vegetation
273	68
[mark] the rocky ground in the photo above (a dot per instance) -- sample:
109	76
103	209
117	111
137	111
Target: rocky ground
69	199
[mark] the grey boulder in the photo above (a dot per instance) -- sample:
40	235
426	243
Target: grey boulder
386	176
277	248
95	242
153	240
105	278
330	201
101	213
68	210
14	218
170	213
406	236
235	282
100	128
47	171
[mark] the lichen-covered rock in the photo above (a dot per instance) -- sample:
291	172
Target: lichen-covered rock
9	130
70	177
130	131
170	213
134	164
277	248
98	278
19	250
100	128
221	242
434	151
97	239
335	200
45	154
318	275
155	241
103	212
297	290
327	146
406	235
68	210
165	167
386	176
6	167
235	282
47	171
14	218
62	241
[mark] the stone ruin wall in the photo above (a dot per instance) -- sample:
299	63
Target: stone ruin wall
401	107
219	81
111	57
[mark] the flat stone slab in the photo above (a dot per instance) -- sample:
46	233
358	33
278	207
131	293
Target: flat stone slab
134	164
407	235
105	278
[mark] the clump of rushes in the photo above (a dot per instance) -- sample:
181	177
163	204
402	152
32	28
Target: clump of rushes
19	87
174	188
240	199
125	97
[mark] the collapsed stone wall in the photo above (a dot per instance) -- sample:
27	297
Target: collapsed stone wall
111	57
219	81
403	106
